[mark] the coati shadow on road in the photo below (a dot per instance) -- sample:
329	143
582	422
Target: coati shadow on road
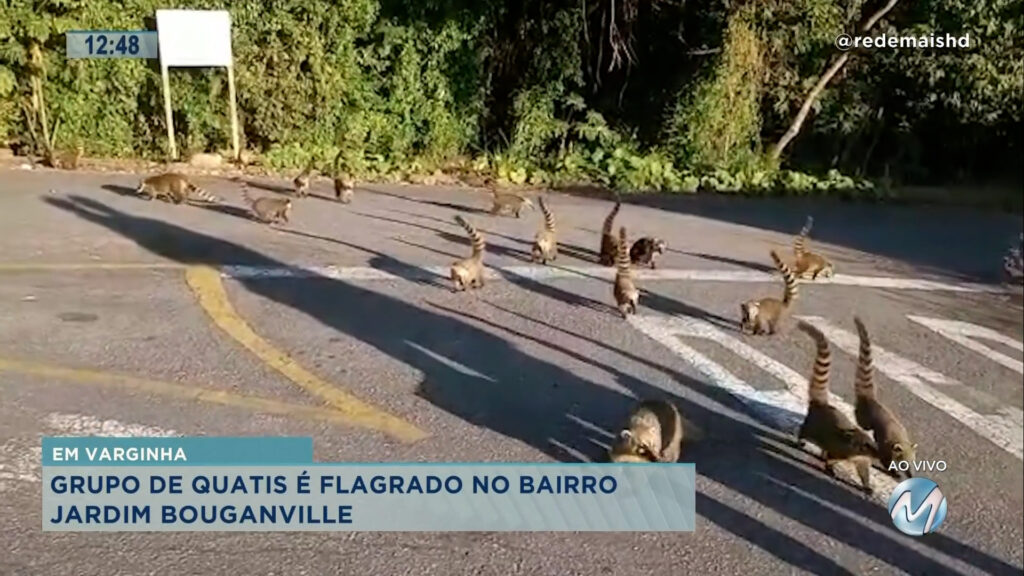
538	402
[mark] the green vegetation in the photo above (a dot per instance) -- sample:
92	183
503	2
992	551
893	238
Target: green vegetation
634	95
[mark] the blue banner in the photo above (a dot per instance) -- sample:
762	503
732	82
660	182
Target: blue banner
232	484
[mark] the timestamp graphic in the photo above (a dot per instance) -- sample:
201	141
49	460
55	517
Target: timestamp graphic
112	44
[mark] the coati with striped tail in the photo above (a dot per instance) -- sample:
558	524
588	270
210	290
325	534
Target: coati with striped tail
267	209
175	187
809	264
624	290
609	243
301	181
469	272
545	244
827	427
891	437
645	250
764	316
344	188
653	433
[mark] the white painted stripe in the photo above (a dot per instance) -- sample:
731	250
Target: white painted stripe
594	272
1002	429
963	333
781	409
458	367
21	458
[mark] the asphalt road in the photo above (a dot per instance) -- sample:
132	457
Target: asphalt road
110	322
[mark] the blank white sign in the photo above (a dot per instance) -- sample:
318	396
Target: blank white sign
194	37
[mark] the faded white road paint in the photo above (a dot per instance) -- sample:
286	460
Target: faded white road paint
362	273
1002	428
781	409
964	333
21	458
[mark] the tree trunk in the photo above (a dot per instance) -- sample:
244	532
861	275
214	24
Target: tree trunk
833	69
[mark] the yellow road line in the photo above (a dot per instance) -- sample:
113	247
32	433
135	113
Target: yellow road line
174	390
57	266
206	283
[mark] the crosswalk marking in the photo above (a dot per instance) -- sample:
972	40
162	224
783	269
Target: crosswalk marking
21	458
781	409
964	333
553	272
1002	429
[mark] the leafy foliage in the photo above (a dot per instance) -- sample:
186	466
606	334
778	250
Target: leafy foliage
633	95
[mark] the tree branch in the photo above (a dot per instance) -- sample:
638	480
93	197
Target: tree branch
819	87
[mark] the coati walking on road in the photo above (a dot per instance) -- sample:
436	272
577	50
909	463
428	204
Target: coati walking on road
545	244
765	315
624	290
891	436
469	272
268	209
809	264
645	250
175	187
653	433
827	427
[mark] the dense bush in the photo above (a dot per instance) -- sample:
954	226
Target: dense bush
630	94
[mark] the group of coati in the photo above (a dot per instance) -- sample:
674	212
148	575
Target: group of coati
177	188
654	429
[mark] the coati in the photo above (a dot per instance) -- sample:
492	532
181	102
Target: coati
175	187
645	250
653	433
609	244
545	244
469	272
268	209
827	427
503	202
301	181
625	292
891	437
809	264
344	188
766	315
1013	262
68	160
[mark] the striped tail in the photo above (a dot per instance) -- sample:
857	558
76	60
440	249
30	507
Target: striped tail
549	218
245	194
474	235
622	264
864	384
817	389
195	192
799	243
609	220
792	289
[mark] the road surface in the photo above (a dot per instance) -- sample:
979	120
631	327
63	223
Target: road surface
125	317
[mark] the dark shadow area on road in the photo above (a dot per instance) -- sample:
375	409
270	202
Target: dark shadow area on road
121	190
961	243
446	205
397	221
758	266
530	399
230	210
276	188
